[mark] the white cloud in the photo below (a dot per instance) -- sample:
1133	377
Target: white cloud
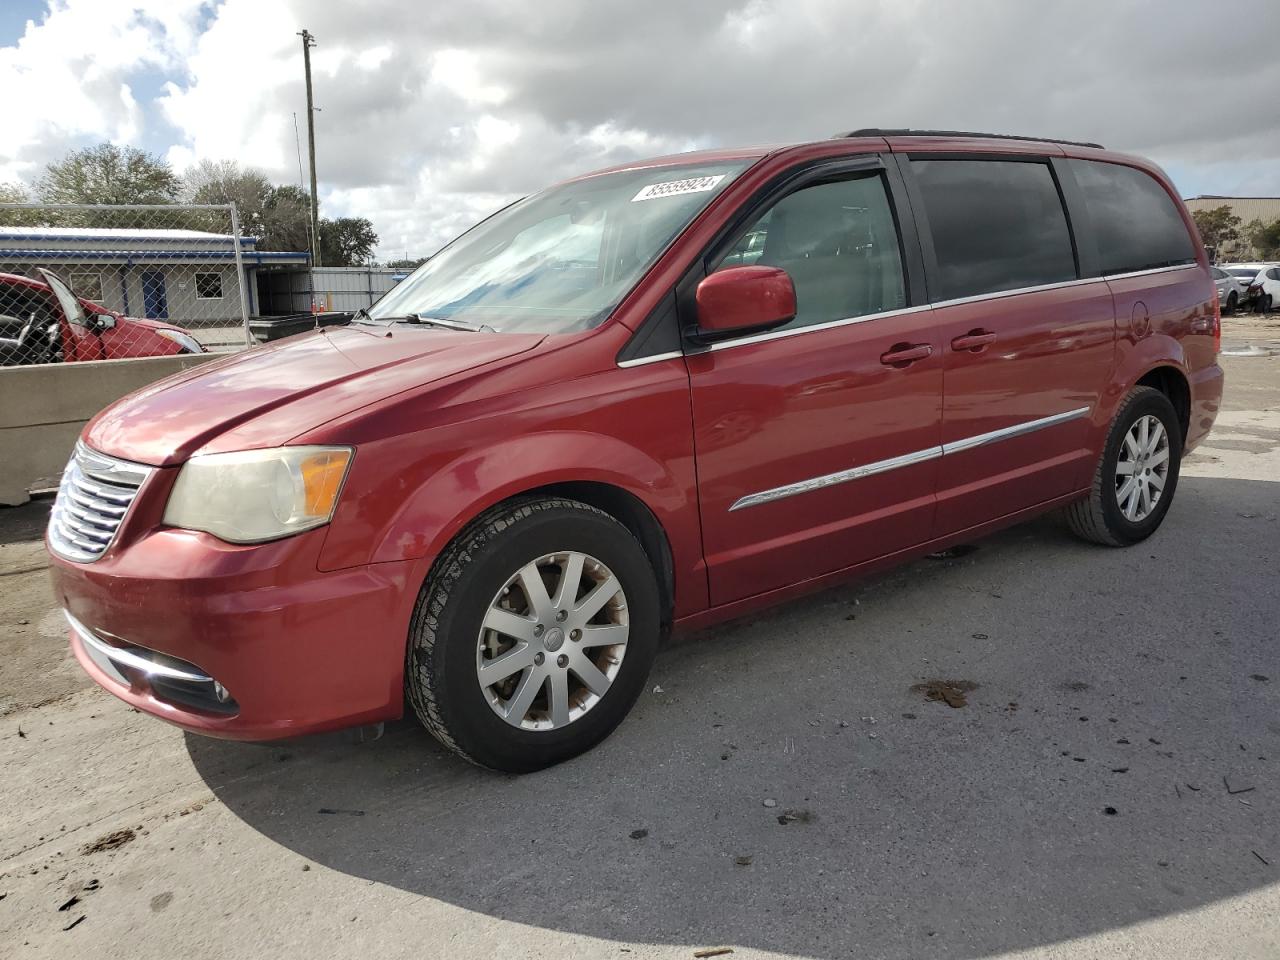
66	79
432	116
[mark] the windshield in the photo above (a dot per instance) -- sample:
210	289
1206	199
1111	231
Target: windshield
561	260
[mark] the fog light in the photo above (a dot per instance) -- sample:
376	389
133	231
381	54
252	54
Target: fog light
220	692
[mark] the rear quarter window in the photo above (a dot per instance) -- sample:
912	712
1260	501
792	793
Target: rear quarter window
1136	224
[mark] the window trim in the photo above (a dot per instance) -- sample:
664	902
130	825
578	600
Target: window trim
1082	256
195	279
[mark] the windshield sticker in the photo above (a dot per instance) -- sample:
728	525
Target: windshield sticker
674	188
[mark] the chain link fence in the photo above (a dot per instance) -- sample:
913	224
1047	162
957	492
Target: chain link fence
88	282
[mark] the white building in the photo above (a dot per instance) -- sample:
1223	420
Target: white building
185	276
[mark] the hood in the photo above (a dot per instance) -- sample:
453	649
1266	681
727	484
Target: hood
288	388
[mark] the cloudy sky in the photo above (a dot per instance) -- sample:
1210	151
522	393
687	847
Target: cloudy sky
433	114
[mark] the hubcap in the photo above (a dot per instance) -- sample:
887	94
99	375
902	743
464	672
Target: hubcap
1142	469
552	641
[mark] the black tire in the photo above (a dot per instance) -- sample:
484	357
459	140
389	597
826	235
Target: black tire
1266	304
1098	517
1232	302
440	669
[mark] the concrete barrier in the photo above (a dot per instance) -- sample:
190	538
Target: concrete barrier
43	408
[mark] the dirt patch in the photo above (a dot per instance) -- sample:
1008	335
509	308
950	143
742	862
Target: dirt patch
110	841
954	693
36	666
954	553
796	816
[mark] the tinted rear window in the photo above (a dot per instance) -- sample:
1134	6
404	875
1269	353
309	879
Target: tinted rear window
1136	224
996	225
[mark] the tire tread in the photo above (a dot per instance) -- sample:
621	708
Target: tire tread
420	680
1085	517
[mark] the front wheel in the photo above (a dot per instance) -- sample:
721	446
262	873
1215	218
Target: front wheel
1136	476
533	635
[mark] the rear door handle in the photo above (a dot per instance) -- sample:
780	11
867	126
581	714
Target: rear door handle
974	340
903	354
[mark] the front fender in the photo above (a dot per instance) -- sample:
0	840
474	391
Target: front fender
408	495
484	476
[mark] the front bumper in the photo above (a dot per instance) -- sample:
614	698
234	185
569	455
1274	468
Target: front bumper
249	643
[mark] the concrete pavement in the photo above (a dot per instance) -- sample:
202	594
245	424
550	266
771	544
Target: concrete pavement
1109	789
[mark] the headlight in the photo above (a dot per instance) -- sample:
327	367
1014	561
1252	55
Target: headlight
186	341
258	495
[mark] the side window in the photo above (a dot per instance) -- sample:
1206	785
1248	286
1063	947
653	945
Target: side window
1136	224
996	225
1274	273
1217	274
838	242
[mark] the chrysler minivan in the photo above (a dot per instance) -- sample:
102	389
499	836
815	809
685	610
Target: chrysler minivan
647	399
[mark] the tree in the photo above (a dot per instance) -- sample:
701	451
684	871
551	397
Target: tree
14	193
225	181
1218	226
286	220
1264	238
407	263
108	174
346	241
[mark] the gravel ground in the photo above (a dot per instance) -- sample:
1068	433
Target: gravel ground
1109	786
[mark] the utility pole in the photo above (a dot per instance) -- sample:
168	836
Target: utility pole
308	41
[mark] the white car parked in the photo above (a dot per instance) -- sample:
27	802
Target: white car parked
1231	289
1263	283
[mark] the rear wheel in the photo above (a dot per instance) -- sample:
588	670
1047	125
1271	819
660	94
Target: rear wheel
534	634
1232	302
1137	475
1266	303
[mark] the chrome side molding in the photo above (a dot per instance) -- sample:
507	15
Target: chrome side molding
831	479
906	460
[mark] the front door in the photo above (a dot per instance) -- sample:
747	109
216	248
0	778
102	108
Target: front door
1028	347
155	299
817	444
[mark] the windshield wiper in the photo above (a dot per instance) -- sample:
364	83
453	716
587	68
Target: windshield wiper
447	323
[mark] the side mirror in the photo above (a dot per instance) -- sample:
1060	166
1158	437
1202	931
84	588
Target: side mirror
744	300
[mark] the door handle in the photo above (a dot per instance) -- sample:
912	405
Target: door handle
904	354
975	340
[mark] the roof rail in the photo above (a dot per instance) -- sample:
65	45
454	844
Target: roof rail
904	132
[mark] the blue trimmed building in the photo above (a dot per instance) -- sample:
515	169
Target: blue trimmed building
184	276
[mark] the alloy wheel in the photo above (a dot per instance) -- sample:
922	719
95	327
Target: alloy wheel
1142	469
552	641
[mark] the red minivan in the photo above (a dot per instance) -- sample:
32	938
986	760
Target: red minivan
45	322
649	398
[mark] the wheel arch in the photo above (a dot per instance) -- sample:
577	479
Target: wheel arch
1173	383
634	514
653	499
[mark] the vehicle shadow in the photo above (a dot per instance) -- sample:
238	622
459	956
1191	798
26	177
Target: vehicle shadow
781	786
25	523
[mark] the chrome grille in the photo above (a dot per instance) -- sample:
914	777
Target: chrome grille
94	497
